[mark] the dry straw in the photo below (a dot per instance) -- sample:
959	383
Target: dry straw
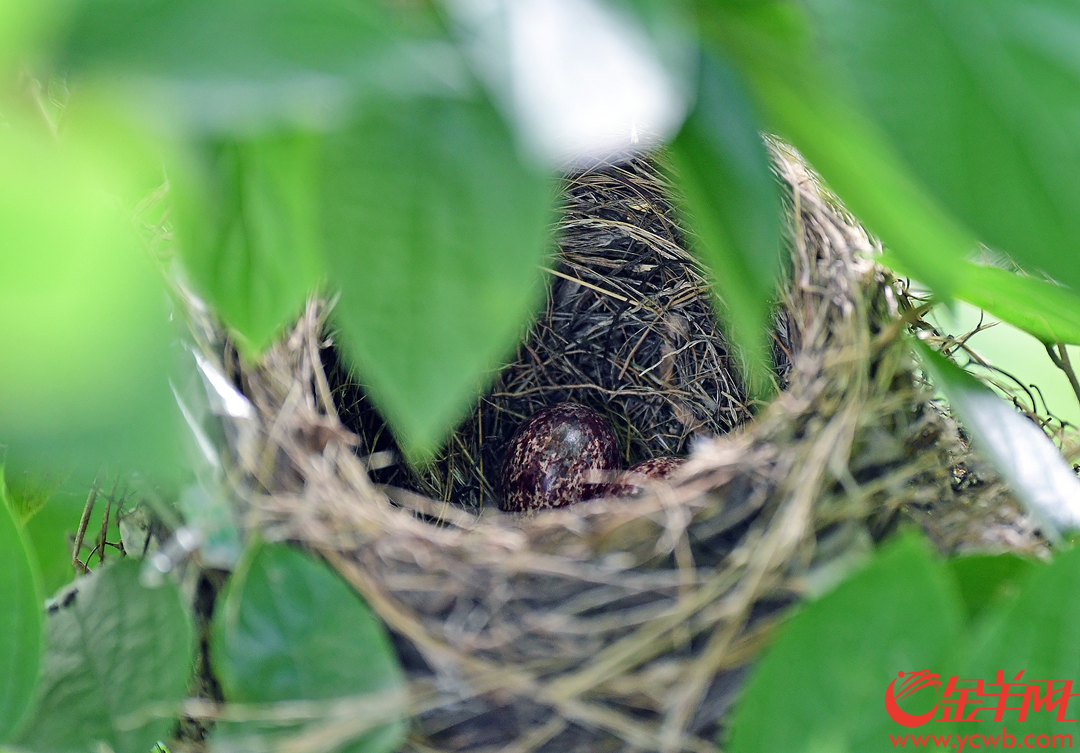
626	624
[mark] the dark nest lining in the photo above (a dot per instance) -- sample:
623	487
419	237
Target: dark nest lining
628	329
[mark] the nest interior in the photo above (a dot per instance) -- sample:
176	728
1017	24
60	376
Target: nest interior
627	329
627	624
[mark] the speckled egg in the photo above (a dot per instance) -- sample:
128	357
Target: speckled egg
550	456
657	468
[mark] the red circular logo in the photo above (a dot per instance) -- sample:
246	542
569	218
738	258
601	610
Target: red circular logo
915	681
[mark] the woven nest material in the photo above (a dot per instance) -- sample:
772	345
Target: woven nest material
627	329
628	624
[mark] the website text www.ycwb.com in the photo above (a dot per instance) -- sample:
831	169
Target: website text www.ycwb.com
1002	740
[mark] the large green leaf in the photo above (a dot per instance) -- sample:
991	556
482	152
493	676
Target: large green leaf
1036	635
20	623
435	232
238	65
250	232
116	666
734	207
1020	451
770	43
821	684
986	580
980	98
289	629
85	335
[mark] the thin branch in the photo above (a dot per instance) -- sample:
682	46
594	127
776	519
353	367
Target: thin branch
105	522
1061	360
84	521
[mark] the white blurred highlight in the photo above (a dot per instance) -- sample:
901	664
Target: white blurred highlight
1025	456
580	78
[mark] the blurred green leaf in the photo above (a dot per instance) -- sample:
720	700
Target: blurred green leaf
22	23
435	232
1018	449
117	659
723	172
1043	309
238	66
831	663
26	494
249	232
1037	634
83	377
770	41
985	580
289	629
980	98
20	623
51	532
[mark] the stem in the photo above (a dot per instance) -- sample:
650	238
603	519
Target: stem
105	522
84	521
1061	360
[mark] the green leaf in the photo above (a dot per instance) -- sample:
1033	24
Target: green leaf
85	339
830	665
1037	634
980	98
770	42
734	208
986	580
1043	309
289	629
1048	311
26	494
235	66
1017	448
435	232
116	666
21	24
20	623
250	232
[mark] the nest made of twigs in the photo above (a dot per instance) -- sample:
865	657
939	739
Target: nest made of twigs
627	329
626	624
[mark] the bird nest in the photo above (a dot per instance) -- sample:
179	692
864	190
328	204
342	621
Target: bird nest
622	624
628	329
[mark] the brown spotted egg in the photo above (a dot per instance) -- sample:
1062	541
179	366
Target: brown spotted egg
551	455
654	468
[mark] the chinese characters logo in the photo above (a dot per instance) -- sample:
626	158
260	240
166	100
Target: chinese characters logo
974	700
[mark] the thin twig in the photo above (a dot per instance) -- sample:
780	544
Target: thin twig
84	521
105	522
1061	360
589	285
